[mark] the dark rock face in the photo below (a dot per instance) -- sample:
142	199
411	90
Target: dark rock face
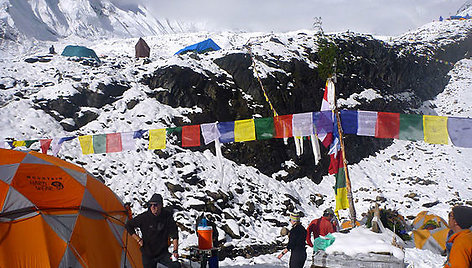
70	107
397	73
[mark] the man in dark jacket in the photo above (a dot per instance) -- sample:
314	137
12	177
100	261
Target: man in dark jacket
156	225
296	243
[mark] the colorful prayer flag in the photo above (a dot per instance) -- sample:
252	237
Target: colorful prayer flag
191	136
411	127
327	104
18	143
227	131
99	144
302	124
127	141
349	121
323	122
435	129
113	143
157	139
45	144
388	125
264	128
86	143
283	126
340	189
460	131
336	167
244	130
56	144
210	132
366	121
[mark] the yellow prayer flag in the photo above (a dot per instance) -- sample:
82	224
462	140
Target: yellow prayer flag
244	130
86	143
435	129
19	143
341	199
157	139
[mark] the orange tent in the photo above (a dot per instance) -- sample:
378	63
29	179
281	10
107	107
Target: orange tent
55	214
430	232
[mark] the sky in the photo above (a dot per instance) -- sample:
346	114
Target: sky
383	17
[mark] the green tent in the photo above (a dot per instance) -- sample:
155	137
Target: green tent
79	51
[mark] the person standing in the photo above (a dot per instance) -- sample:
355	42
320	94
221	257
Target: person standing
321	226
459	244
156	226
296	243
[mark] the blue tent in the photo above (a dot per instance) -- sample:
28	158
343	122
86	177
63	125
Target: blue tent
202	47
79	51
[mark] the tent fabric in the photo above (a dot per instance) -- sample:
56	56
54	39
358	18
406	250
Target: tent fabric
142	49
430	232
80	51
201	47
56	214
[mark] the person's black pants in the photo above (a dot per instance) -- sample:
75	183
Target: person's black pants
151	262
297	259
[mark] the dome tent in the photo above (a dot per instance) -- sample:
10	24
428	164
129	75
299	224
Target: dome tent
55	214
80	51
430	232
202	47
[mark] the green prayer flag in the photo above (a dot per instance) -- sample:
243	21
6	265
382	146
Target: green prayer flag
173	130
411	127
264	128
28	143
100	143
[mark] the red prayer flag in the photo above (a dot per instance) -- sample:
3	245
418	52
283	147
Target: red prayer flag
335	163
44	144
114	143
388	125
191	136
283	126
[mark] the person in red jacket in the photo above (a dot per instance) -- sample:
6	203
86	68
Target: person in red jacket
321	226
459	244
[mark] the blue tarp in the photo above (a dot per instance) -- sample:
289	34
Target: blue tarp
204	46
79	51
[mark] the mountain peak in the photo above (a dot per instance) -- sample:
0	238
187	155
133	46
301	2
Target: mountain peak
52	20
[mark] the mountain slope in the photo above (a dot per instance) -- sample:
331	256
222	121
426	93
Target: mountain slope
53	20
60	97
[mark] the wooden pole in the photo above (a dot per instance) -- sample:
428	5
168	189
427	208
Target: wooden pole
352	209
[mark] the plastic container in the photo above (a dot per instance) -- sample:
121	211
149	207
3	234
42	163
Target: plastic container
205	237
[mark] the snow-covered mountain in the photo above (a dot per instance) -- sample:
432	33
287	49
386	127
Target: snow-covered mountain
54	96
88	19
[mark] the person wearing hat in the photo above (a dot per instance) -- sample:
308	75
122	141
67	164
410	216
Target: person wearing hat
296	243
156	225
459	244
321	226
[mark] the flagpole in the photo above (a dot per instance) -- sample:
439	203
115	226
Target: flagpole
352	209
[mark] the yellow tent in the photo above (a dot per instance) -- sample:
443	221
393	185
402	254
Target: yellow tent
430	232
